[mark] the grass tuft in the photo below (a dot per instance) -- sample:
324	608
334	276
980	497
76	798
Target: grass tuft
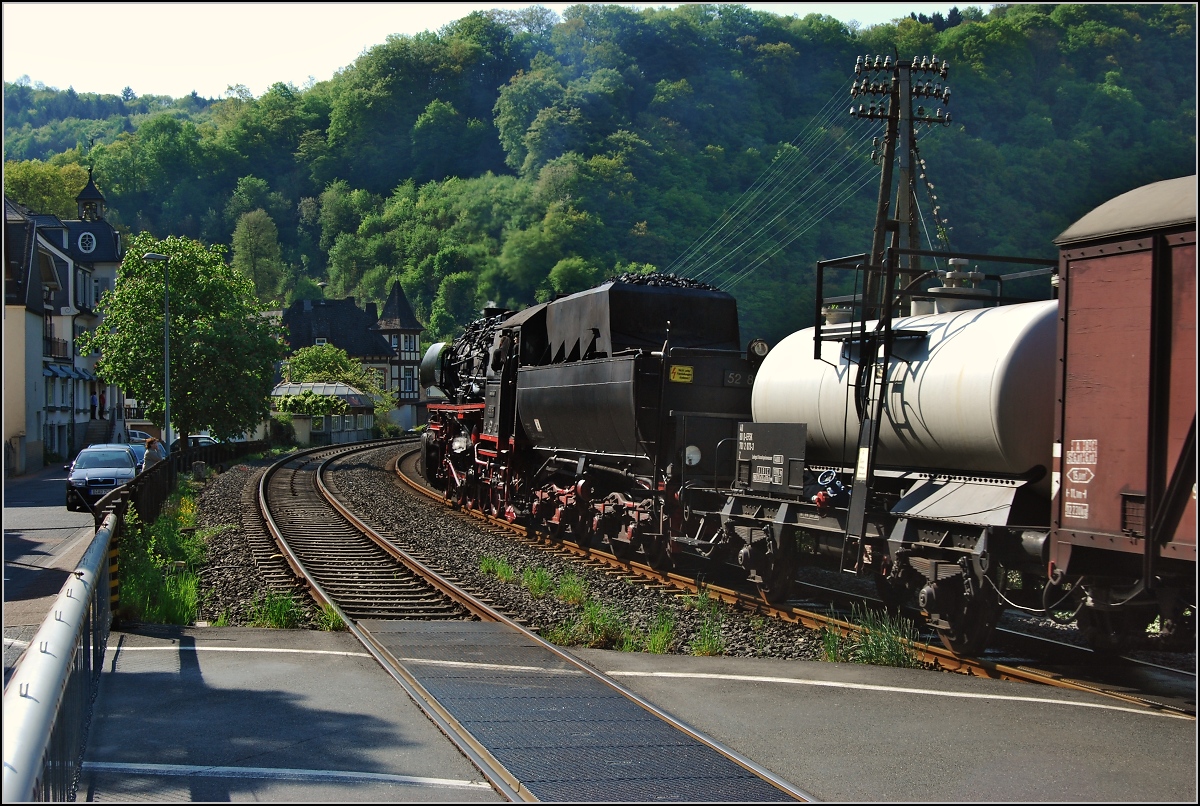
329	621
571	589
275	610
882	640
538	581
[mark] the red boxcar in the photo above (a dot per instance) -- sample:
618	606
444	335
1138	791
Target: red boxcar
1124	506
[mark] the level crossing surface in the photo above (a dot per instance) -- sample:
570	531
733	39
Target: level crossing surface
241	714
244	714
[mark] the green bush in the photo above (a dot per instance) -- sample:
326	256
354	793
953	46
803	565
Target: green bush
156	566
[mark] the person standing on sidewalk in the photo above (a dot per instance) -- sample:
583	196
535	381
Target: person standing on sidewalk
93	405
103	400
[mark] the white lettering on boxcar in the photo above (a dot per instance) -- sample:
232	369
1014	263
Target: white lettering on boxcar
1083	452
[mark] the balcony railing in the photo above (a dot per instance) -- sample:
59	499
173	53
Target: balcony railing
56	348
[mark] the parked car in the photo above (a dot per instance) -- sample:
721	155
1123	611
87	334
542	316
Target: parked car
138	436
195	441
98	470
139	450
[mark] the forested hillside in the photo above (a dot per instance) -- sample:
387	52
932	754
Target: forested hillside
514	155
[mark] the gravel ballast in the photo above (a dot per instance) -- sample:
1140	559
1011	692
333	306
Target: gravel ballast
232	579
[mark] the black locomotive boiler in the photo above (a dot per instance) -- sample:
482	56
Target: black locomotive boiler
586	416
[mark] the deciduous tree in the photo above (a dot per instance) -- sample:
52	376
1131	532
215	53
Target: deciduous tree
222	348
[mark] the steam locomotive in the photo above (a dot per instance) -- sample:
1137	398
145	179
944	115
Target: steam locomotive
589	415
975	453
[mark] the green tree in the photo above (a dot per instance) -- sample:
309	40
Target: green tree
45	188
256	253
223	349
325	363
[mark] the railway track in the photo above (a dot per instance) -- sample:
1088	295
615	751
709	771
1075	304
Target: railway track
344	567
1016	656
484	679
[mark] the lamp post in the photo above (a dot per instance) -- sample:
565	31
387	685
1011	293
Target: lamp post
155	257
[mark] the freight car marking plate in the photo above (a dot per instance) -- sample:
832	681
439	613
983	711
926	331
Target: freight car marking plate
560	731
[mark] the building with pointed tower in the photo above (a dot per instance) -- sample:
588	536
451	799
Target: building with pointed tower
389	346
55	273
398	324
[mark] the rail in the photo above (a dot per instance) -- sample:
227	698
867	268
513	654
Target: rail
47	702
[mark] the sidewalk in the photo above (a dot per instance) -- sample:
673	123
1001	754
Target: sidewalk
43	542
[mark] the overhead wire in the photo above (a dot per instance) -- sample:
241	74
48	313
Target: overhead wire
752	224
818	197
805	137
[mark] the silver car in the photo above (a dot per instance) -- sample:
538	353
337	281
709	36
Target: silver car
98	470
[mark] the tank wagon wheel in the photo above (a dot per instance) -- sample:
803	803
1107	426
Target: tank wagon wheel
1111	632
972	620
621	549
891	596
776	585
580	534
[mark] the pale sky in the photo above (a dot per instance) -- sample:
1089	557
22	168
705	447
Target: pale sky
174	48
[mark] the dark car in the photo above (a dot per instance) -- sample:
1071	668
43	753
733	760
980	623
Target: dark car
195	441
98	470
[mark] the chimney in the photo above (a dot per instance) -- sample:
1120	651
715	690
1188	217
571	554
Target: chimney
371	312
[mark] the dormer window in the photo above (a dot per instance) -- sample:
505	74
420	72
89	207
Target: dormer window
318	341
87	243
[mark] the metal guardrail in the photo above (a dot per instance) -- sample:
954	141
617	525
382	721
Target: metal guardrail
47	702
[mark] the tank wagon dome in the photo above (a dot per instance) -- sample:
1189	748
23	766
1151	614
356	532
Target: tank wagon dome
1169	203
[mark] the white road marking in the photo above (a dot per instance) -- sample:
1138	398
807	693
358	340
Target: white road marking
892	689
965	695
276	774
181	648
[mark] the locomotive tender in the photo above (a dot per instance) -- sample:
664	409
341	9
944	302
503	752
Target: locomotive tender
967	449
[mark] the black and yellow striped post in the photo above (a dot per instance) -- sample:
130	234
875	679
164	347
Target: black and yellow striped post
114	582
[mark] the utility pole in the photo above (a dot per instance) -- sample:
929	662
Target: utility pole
890	90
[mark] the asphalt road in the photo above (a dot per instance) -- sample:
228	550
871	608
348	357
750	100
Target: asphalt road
43	541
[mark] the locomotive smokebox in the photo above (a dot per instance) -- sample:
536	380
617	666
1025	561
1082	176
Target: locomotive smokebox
965	391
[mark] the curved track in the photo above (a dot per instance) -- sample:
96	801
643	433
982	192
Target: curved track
343	566
390	601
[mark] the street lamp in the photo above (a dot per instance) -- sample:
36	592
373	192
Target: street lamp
155	257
